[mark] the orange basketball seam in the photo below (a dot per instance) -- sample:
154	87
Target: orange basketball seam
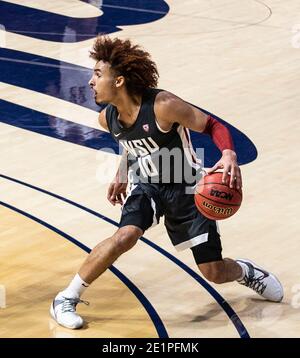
236	190
218	202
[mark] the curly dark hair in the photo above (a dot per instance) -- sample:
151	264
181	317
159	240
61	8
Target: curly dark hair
127	60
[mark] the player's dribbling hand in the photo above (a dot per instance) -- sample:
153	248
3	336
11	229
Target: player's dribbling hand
116	192
228	163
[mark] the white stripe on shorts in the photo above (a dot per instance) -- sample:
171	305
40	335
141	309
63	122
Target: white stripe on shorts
200	239
154	220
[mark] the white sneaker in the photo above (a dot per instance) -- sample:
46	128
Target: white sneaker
261	281
63	311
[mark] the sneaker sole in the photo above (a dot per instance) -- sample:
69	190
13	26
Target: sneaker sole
55	319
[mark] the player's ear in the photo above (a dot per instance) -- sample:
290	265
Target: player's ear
119	81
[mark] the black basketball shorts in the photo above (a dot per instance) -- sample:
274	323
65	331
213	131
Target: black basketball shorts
187	228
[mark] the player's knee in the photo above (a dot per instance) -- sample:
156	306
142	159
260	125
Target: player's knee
126	237
213	271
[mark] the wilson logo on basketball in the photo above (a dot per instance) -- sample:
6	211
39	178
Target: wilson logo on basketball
218	210
215	200
221	194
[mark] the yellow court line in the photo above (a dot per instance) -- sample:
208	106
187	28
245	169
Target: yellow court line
35	264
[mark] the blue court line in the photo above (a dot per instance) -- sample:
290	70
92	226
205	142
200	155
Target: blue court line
158	324
241	329
50	26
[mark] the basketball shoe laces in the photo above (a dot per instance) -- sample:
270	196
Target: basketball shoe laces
255	283
69	304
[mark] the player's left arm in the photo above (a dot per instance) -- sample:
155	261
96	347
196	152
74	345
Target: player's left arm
171	109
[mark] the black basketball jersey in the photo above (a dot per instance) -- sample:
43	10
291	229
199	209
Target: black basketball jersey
154	155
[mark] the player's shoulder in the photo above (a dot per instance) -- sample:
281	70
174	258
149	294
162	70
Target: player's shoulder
166	102
166	98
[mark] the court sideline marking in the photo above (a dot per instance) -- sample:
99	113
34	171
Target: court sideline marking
241	329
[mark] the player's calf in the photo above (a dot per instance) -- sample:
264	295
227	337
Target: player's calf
221	271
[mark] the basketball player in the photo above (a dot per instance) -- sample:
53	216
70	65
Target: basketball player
146	122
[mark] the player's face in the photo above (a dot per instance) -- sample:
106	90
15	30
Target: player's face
102	83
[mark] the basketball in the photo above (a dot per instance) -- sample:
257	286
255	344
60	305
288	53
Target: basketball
215	200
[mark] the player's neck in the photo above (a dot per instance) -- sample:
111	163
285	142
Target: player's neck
128	107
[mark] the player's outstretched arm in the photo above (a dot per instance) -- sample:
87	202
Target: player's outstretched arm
171	109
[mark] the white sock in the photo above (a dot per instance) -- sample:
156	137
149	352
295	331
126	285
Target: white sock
244	270
76	288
